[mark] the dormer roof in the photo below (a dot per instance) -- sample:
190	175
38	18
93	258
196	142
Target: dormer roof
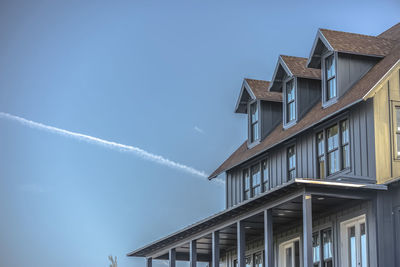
350	43
292	66
360	91
255	89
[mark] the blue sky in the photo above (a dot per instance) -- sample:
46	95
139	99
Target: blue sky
160	75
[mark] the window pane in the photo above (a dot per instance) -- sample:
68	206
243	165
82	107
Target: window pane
246	179
345	131
333	160
247	194
296	254
333	138
398	119
327	243
291	163
265	171
320	143
254	131
291	111
254	112
330	66
248	261
346	156
290	91
256	176
316	249
258	261
398	145
352	246
330	78
288	257
363	240
331	88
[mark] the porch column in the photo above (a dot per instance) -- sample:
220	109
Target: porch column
268	238
193	253
215	249
172	257
149	262
241	244
307	231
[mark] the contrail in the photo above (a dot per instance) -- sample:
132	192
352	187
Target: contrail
109	144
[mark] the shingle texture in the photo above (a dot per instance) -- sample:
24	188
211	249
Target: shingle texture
298	67
317	114
357	43
260	90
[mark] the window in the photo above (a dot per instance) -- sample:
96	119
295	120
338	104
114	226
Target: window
291	163
248	261
333	149
265	175
337	149
321	154
290	101
397	130
258	260
322	255
354	240
330	74
246	181
289	253
255	180
344	127
254	122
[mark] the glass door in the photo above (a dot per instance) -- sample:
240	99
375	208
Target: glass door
289	253
354	243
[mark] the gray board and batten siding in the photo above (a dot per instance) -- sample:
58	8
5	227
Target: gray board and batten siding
362	154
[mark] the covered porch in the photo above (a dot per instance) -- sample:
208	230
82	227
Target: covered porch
295	204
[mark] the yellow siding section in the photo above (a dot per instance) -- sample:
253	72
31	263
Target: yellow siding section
385	99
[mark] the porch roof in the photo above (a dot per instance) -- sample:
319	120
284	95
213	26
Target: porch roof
272	197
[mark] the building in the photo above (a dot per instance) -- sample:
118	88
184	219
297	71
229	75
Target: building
317	183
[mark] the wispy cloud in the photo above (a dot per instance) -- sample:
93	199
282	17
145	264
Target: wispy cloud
199	130
32	188
108	144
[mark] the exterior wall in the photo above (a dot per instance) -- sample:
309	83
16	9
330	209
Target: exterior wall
308	93
388	225
271	116
327	221
385	99
362	154
350	68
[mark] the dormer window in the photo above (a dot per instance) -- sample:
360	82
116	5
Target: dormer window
330	74
254	132
290	102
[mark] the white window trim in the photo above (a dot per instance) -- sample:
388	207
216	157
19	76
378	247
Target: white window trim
344	253
283	246
325	102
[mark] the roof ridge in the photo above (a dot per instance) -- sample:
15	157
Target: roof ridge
292	56
353	33
256	80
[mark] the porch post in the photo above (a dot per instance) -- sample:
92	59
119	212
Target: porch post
268	238
149	262
193	253
172	257
240	244
307	231
215	249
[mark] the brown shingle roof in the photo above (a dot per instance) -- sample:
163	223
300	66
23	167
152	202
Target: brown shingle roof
260	90
357	43
298	67
392	34
315	115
